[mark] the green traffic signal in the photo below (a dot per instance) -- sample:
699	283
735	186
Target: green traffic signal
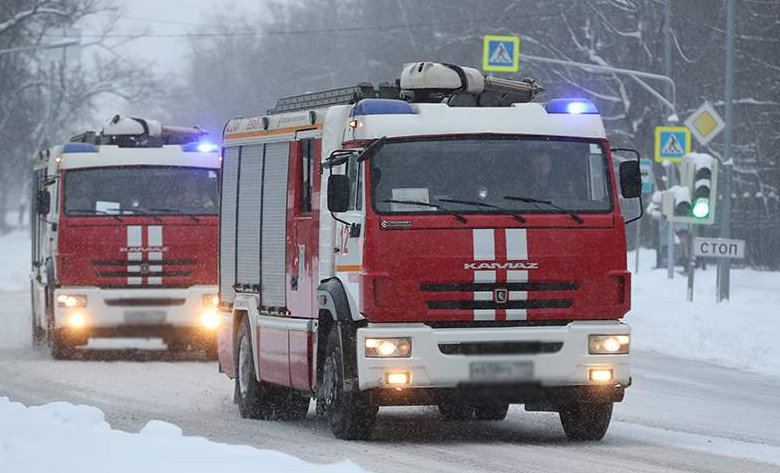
701	208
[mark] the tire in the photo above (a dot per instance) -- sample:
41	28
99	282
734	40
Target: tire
491	411
255	399
586	421
351	414
452	411
292	405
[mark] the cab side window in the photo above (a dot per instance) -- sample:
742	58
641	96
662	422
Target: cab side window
355	173
306	175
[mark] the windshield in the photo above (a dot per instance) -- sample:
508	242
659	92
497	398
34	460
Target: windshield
155	190
571	174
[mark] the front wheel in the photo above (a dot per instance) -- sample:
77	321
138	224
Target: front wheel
351	414
586	421
255	399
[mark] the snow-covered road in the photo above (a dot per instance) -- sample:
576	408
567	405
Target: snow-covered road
679	416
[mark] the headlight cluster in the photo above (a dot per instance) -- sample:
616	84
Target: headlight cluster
388	347
71	300
608	344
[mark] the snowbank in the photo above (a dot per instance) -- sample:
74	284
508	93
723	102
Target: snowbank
743	333
14	261
65	438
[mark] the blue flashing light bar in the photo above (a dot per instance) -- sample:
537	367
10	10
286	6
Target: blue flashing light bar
200	147
79	148
571	107
381	107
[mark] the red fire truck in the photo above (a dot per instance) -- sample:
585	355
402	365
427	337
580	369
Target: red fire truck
124	237
441	242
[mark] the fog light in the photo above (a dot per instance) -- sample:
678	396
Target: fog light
71	300
210	319
77	320
398	377
388	347
608	344
600	375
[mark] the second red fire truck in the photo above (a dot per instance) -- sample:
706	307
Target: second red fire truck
445	242
124	237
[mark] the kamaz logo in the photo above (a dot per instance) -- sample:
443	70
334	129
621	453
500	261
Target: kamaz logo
143	249
507	265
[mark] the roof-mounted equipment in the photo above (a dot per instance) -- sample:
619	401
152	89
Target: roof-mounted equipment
131	132
435	82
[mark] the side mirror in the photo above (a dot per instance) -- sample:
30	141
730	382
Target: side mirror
43	202
338	192
630	179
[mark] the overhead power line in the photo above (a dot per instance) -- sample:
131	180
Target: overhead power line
245	33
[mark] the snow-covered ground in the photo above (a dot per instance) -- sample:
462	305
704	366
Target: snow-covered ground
66	438
742	333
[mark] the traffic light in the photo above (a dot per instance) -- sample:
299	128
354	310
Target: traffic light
693	201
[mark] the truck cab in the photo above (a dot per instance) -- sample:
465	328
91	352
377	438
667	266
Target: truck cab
124	243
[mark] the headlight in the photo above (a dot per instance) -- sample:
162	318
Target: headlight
77	320
210	300
608	344
209	318
388	347
70	301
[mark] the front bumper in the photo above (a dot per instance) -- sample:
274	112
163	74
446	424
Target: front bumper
429	367
136	312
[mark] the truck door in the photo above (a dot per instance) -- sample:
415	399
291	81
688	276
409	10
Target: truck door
349	236
301	256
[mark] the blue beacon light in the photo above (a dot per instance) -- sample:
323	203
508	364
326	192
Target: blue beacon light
571	106
207	147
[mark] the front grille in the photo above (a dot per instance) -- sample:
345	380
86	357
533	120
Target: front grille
534	297
470	305
516	286
149	274
500	348
167	262
146	301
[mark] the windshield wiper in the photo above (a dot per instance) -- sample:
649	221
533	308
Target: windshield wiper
95	211
475	203
145	212
536	202
176	212
460	217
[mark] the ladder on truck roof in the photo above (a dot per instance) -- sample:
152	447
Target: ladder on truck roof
341	96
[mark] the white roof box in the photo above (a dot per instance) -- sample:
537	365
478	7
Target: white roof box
441	77
129	126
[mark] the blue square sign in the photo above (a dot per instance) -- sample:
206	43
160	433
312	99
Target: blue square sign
501	53
672	143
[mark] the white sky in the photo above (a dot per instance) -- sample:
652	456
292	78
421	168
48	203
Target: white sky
166	15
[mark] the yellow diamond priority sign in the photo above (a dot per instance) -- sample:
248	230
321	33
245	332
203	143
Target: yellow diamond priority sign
705	123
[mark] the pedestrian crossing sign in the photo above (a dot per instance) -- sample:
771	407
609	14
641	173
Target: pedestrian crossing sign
672	143
501	53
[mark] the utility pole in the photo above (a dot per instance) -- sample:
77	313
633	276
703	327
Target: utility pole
724	266
667	31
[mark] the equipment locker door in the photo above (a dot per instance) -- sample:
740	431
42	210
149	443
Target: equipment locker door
301	255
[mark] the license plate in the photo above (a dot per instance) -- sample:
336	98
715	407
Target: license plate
494	371
144	317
